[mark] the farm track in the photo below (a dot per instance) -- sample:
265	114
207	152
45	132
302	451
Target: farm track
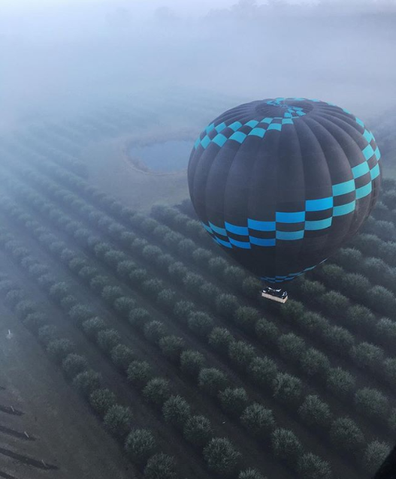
227	325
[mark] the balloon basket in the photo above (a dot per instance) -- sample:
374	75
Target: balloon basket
277	295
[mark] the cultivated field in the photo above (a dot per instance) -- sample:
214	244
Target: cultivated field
190	374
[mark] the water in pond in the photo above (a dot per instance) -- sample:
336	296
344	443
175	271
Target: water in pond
172	155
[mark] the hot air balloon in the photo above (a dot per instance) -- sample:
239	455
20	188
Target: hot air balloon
280	184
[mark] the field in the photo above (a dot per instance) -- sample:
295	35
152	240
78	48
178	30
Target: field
135	348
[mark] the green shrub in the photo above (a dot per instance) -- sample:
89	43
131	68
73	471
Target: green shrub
372	404
314	363
79	313
226	305
166	299
221	457
200	323
160	466
340	382
87	381
13	297
287	389
262	371
334	303
118	421
285	446
176	411
140	445
348	258
139	373
360	318
310	466
182	310
192	282
233	400
124	305
241	354
234	276
139	318
315	412
34	321
197	430
357	286
266	331
154	331
258	420
152	287
93	326
74	364
311	291
382	300
171	347
291	346
191	362
102	400
312	323
250	474
220	339
157	391
108	339
374	456
58	349
292	310
389	371
339	339
47	333
98	283
346	436
59	291
122	356
217	266
386	331
367	356
246	317
251	287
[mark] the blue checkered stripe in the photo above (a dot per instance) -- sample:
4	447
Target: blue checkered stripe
221	133
289	277
245	236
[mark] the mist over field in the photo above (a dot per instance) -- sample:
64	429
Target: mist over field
63	55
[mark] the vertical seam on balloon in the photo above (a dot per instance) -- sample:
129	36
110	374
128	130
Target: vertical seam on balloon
301	246
342	131
328	236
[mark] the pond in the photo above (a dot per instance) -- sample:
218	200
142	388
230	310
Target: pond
168	156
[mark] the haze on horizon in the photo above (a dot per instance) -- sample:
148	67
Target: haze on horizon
59	56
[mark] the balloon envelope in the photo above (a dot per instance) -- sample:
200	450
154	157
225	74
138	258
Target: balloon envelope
281	183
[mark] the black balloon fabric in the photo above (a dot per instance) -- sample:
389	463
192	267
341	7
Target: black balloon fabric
281	183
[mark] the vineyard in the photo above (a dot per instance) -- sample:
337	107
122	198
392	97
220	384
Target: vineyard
163	343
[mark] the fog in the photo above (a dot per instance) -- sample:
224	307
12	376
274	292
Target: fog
64	57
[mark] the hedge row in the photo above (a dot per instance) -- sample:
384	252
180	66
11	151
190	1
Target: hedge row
155	390
311	357
117	419
284	386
